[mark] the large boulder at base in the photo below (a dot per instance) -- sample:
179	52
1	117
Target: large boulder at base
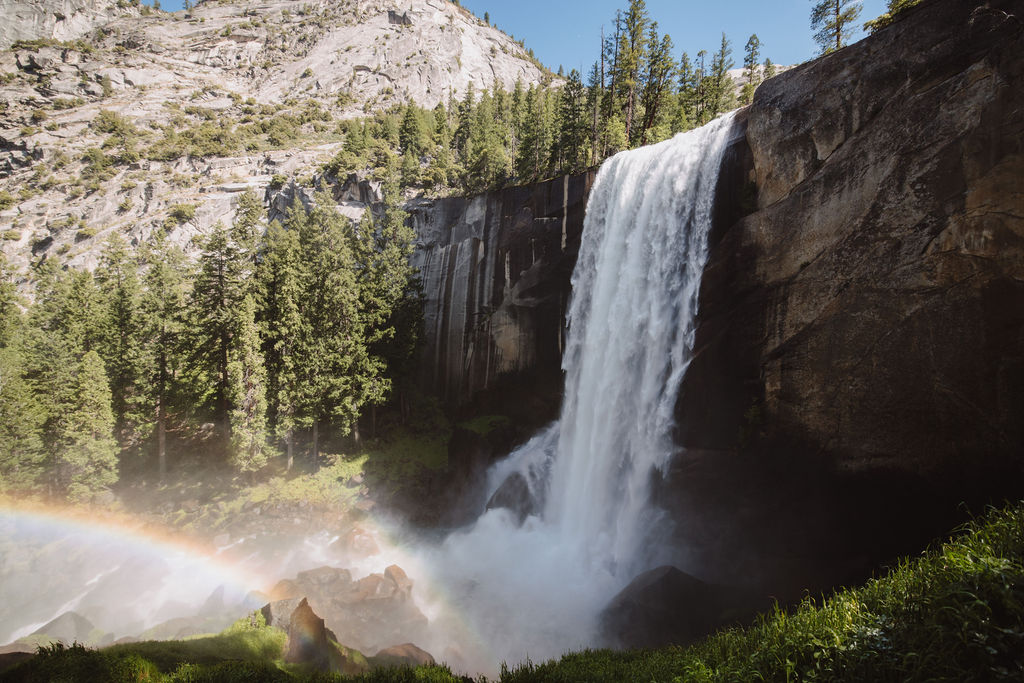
310	643
514	495
666	606
406	654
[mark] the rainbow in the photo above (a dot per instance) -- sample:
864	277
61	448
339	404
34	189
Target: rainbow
108	567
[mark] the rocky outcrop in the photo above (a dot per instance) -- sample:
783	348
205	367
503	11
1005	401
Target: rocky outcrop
374	612
860	361
406	654
226	62
54	19
666	606
495	271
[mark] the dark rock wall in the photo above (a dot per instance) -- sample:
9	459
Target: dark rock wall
860	366
495	270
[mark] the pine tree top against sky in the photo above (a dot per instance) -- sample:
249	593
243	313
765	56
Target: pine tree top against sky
567	33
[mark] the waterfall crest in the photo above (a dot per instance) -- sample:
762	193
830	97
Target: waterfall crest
535	590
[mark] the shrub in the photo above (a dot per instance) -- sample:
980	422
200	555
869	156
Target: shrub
11	235
6	200
181	213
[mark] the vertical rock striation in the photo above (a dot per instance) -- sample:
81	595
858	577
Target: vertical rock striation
495	270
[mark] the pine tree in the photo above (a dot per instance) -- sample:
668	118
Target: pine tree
686	114
657	80
769	69
162	308
216	295
86	449
120	346
10	313
247	378
893	8
751	69
595	94
832	21
280	280
22	419
631	52
571	147
702	103
329	345
723	94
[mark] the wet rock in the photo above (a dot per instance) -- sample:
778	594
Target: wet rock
863	324
366	614
307	639
514	495
71	627
666	606
402	655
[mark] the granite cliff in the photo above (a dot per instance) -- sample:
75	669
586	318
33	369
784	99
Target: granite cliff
860	363
137	76
860	357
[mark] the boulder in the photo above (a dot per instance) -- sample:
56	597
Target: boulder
666	606
72	627
308	641
366	614
402	655
514	495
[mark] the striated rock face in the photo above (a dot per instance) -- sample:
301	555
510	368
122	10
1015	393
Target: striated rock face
56	19
861	353
495	271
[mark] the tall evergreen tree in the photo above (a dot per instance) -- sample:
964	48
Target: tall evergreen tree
723	94
631	52
687	95
751	69
22	419
162	309
833	22
330	347
280	280
247	378
86	452
217	293
661	68
120	347
571	148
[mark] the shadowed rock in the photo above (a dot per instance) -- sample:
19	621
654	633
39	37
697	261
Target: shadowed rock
666	606
514	495
402	655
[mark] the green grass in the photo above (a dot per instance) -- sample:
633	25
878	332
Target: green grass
954	614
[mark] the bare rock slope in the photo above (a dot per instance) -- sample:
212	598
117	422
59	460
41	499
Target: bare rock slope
277	75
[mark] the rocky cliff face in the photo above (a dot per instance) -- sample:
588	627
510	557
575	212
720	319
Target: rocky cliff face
861	353
220	65
62	20
495	271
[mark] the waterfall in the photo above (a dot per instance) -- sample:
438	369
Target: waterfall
535	590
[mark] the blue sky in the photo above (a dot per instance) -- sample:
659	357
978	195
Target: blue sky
567	32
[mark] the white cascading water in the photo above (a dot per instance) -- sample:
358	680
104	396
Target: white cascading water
536	590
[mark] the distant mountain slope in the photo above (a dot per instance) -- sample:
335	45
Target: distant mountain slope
280	74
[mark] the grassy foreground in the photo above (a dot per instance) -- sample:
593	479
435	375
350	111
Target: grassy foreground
956	613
